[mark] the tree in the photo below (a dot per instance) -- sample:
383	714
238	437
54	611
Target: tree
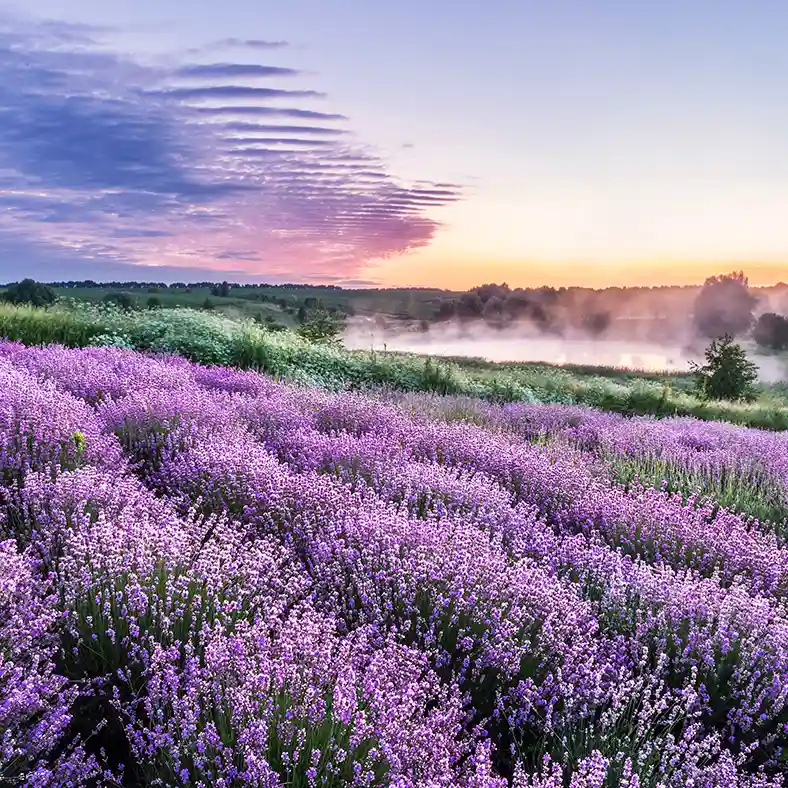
771	331
153	302
491	290
28	291
321	327
724	306
121	300
493	309
727	373
222	290
447	310
301	314
207	304
517	305
469	306
596	323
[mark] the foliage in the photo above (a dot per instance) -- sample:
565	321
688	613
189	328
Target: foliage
30	292
120	300
724	306
596	323
221	290
153	303
321	326
771	331
727	374
111	340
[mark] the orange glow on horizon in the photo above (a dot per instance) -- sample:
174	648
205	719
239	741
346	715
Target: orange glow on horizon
462	274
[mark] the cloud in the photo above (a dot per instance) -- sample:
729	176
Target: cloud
21	256
321	130
361	282
297	141
106	161
238	255
267	112
131	233
251	43
254	44
235	91
222	70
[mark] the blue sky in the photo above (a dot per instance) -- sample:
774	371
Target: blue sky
404	143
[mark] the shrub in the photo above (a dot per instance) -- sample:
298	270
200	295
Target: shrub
771	331
321	327
727	373
121	300
210	337
30	292
111	340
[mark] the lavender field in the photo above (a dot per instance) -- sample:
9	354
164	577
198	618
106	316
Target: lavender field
211	579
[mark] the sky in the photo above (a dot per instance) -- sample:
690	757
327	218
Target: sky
423	142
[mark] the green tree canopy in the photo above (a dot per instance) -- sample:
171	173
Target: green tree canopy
724	306
28	291
727	373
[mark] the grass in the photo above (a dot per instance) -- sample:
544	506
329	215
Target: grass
280	302
756	494
234	305
215	338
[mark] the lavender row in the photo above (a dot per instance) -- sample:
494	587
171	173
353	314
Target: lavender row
238	478
200	649
371	568
220	412
743	468
199	646
570	494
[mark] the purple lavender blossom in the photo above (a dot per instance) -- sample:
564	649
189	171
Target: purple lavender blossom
210	578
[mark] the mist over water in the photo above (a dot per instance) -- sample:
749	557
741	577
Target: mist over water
478	340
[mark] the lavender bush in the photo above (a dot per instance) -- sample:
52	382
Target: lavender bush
208	578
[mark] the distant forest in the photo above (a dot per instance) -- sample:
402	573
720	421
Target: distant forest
649	313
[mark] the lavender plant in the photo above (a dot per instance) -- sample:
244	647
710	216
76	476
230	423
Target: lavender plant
212	578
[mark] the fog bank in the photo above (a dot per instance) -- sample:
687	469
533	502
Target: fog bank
522	343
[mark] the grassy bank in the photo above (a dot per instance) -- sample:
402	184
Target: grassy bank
215	339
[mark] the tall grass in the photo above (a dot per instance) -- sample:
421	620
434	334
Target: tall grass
215	339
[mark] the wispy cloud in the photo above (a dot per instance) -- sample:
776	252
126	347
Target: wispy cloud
222	70
251	43
280	112
260	127
107	162
224	44
290	141
235	92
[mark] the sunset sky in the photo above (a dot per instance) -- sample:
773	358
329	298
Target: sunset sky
417	142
